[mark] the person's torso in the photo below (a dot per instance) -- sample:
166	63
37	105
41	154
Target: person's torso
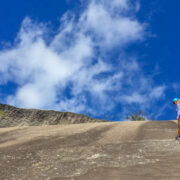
178	109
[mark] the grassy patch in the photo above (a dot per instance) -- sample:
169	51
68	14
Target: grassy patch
2	113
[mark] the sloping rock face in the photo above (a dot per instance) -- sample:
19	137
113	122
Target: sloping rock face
11	116
91	151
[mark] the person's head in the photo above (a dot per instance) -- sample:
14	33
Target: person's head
176	101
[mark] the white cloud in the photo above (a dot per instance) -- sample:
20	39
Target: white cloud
157	92
134	98
111	29
69	71
120	3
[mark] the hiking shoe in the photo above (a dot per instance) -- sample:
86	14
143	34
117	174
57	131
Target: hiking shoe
177	137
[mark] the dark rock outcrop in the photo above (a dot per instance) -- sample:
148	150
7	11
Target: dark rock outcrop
11	116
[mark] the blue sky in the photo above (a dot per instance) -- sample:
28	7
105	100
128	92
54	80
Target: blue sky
105	59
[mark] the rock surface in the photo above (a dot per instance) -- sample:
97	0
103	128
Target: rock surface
91	151
11	116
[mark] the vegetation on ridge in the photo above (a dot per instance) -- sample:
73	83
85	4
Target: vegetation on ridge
138	116
2	113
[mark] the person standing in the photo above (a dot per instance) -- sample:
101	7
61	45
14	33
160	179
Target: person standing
176	101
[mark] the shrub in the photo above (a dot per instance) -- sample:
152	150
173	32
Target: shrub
138	116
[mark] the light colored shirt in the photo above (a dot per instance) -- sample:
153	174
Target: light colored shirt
178	109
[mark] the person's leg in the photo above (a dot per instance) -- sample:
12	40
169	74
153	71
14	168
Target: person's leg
178	132
179	127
